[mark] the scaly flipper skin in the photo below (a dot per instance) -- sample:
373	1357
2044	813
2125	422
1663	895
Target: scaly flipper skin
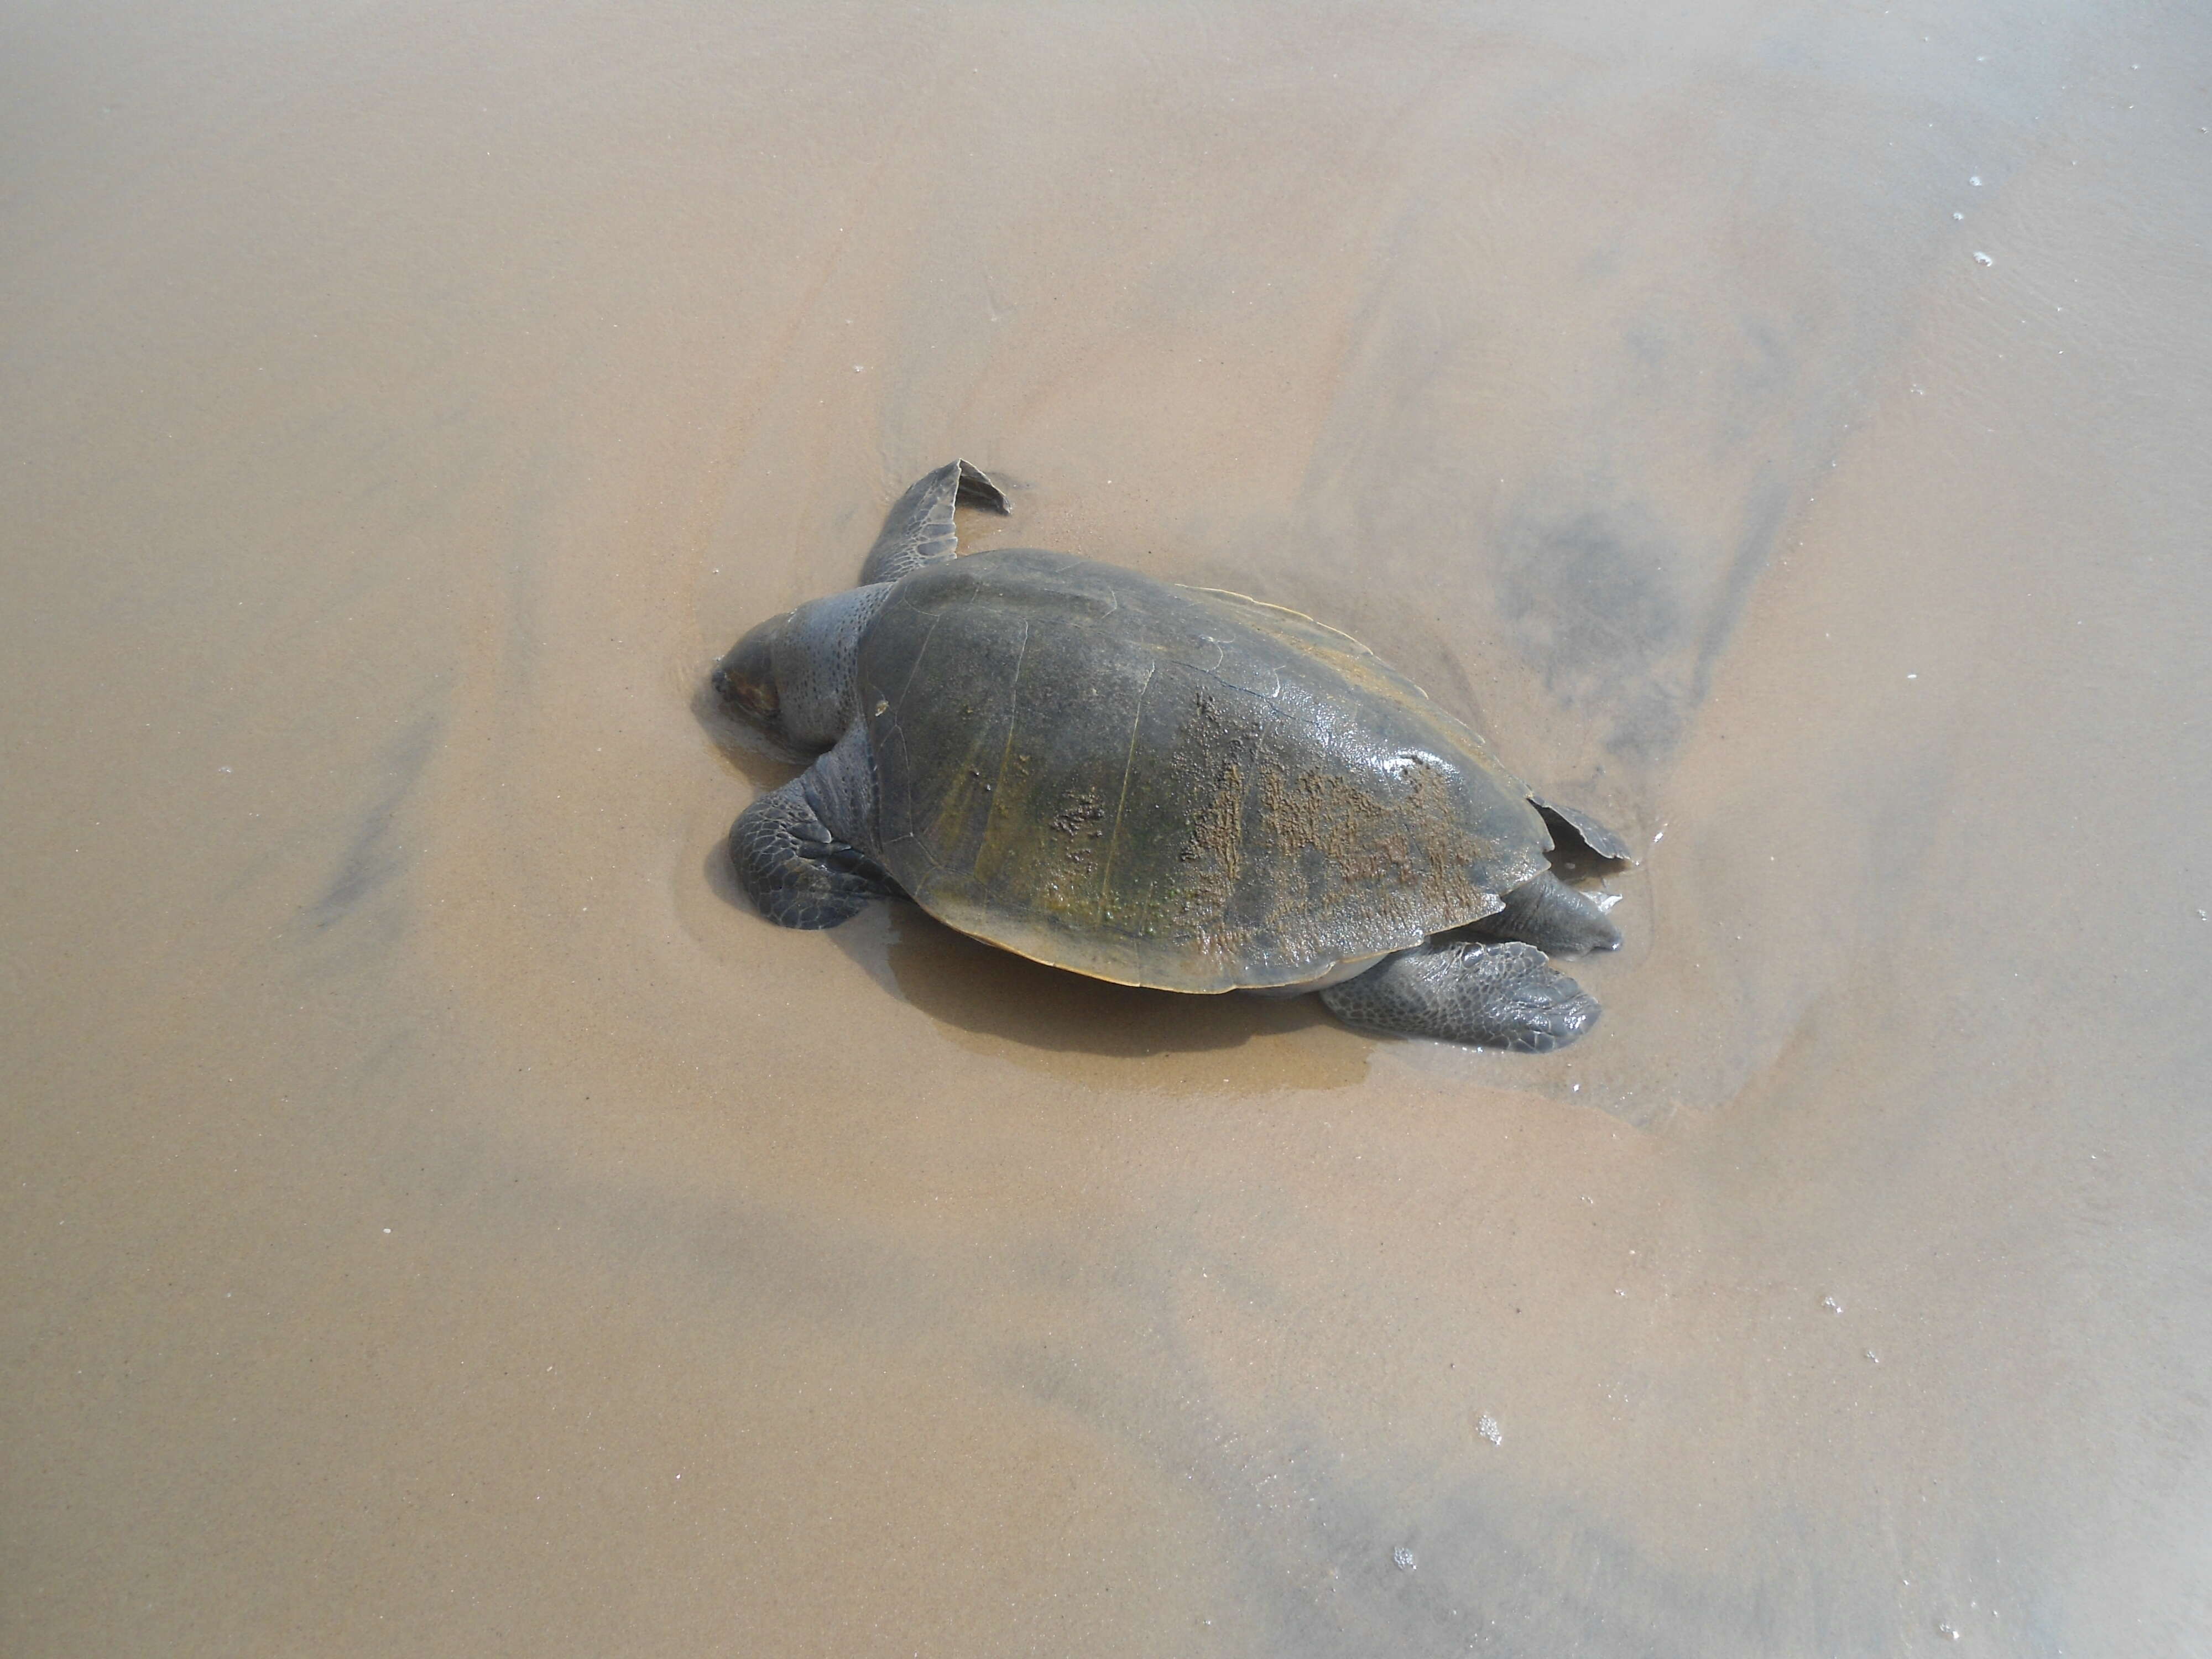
1495	996
799	850
1553	916
919	530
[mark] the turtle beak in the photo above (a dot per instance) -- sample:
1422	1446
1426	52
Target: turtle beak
745	680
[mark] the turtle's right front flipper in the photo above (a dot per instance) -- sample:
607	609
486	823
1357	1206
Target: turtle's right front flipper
919	531
798	849
1495	996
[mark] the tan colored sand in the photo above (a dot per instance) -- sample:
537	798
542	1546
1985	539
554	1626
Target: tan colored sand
443	1219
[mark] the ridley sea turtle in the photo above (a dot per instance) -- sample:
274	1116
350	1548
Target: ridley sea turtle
1162	785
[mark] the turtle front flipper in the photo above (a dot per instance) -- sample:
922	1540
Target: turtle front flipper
919	530
1494	996
799	850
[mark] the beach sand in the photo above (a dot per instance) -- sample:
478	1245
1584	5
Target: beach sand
443	1218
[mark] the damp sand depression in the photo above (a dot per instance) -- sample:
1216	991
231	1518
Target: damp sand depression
441	1219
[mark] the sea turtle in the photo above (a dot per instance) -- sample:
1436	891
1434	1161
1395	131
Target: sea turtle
1172	786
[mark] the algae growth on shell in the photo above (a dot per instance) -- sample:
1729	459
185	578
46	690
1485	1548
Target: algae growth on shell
1165	787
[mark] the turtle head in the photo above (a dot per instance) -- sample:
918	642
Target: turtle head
795	677
745	680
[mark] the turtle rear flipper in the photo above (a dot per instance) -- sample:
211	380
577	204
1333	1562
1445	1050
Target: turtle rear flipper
1495	996
1547	912
1584	827
919	531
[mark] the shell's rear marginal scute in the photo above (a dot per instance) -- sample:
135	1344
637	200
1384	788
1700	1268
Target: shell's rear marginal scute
1163	786
919	531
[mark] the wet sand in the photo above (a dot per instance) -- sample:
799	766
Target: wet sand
442	1218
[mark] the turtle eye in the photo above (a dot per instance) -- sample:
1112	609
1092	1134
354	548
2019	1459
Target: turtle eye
745	679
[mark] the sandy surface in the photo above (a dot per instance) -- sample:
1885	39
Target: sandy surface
441	1219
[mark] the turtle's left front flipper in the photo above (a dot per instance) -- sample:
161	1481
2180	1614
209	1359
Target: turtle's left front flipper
799	850
1495	996
919	530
